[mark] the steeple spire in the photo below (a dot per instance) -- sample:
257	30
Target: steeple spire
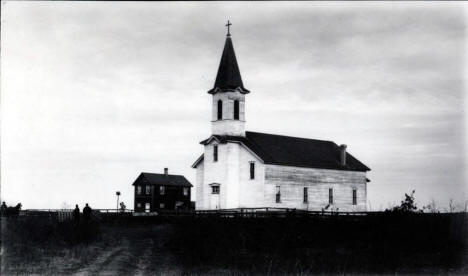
228	77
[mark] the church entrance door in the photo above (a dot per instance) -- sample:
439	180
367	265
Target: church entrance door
214	201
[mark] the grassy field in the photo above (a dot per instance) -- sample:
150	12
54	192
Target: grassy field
32	246
382	244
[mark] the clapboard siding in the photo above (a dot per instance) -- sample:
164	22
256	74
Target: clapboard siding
201	199
292	181
251	190
232	173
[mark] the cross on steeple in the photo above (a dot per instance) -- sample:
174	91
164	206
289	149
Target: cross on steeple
228	25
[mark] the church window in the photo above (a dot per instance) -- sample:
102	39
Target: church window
162	190
138	190
306	195
278	194
215	189
215	153
148	189
185	191
236	110
354	197
220	110
252	170
330	196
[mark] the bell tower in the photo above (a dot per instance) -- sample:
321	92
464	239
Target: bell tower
228	105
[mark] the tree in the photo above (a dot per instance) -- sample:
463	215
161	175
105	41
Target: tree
451	206
65	205
431	207
407	205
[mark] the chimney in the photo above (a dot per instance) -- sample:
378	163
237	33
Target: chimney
166	171
343	155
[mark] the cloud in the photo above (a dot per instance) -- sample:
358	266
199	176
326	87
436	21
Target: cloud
94	92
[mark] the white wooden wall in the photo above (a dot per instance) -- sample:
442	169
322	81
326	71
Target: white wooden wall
237	190
292	181
228	126
232	172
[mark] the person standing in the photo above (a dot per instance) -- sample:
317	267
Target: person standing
87	212
3	208
76	215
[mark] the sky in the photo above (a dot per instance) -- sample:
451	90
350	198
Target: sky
93	93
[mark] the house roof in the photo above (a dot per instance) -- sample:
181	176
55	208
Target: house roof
162	179
228	77
293	151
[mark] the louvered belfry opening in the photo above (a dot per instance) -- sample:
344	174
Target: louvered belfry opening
236	110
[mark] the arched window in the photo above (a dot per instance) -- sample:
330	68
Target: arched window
236	110
220	110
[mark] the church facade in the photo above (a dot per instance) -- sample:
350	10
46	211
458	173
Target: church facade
243	169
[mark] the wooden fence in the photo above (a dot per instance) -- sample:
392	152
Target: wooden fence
266	212
67	214
258	213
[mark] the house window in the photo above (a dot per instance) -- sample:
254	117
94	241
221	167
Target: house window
138	190
147	207
185	191
138	205
161	206
278	194
220	110
148	189
330	196
215	153
354	196
215	189
162	190
306	195
236	110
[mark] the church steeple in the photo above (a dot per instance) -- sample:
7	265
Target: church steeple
228	77
228	106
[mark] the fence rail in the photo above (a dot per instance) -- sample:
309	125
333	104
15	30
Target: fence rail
67	214
265	212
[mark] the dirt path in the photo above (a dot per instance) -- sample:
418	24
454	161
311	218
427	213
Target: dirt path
106	262
139	252
145	260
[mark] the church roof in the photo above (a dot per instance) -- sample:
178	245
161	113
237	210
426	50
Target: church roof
293	151
228	77
162	179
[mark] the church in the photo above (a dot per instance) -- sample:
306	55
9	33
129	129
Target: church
244	169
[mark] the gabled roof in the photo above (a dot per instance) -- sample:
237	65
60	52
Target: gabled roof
228	77
162	179
294	151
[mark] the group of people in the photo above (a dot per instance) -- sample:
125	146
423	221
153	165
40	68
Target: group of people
86	213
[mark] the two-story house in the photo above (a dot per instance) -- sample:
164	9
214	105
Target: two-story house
155	192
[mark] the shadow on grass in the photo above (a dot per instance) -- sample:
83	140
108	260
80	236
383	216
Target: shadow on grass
384	243
387	243
28	243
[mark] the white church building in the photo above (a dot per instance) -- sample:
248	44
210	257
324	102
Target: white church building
243	169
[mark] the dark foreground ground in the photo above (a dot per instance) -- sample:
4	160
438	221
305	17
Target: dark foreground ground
383	244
